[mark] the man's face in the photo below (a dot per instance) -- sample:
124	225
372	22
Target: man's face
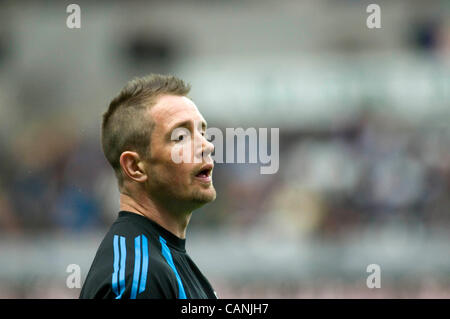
189	182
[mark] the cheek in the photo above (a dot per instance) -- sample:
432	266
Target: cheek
182	153
177	174
169	172
181	173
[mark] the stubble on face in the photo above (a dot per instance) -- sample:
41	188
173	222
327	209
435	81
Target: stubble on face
168	181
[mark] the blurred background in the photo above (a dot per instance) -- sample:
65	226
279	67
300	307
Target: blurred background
364	175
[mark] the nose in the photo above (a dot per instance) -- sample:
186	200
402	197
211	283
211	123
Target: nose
206	147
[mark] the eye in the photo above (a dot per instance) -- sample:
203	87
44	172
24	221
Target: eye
180	134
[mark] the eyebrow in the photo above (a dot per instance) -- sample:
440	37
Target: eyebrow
186	123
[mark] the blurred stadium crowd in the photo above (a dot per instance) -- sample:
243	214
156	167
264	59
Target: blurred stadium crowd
370	170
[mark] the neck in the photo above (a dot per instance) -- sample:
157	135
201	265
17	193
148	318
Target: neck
175	222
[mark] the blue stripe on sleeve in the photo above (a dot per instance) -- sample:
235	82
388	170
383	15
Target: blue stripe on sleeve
137	266
116	265
168	256
144	264
123	257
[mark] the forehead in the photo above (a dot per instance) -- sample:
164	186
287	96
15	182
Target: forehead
171	109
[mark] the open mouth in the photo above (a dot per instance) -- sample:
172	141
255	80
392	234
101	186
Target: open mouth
205	173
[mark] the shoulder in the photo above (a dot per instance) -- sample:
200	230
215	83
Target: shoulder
129	264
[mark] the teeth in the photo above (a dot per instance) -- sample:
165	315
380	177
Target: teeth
205	173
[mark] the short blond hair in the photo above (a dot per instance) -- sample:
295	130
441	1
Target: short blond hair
126	124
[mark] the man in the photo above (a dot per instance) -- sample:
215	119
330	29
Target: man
143	254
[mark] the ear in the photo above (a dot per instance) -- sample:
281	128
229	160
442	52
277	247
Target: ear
133	166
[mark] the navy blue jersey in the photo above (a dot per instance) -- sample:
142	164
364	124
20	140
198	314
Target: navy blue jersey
139	259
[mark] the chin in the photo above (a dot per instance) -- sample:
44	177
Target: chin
205	196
